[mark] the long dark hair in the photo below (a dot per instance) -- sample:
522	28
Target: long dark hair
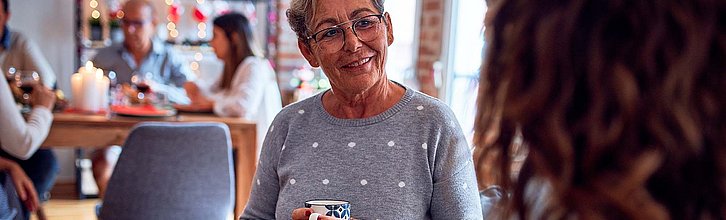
234	24
621	105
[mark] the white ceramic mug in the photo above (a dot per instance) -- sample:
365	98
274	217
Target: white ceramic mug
335	208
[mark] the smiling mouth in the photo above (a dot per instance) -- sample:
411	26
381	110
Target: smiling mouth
358	63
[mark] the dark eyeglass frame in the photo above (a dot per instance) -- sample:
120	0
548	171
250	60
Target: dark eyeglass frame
134	23
381	17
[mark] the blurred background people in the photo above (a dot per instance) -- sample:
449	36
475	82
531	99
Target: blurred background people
247	87
142	54
618	105
19	143
139	54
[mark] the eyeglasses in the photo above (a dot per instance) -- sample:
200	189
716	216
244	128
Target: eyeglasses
134	23
366	29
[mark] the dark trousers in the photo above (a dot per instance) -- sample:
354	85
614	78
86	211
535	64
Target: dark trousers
42	168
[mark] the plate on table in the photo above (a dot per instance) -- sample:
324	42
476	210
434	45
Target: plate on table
142	111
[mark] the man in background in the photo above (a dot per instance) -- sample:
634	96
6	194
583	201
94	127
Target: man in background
139	54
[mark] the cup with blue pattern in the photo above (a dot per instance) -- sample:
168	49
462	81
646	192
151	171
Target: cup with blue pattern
335	208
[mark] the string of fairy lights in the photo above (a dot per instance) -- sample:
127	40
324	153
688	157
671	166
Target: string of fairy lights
171	26
173	19
95	14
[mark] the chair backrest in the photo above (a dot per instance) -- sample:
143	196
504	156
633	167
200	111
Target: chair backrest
172	171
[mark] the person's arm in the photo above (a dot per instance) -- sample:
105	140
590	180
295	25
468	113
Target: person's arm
23	185
246	91
33	59
18	138
178	74
455	192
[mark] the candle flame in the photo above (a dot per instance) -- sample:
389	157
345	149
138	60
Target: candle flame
89	66
99	74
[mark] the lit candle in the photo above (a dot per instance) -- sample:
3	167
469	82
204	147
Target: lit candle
102	83
76	88
89	67
90	89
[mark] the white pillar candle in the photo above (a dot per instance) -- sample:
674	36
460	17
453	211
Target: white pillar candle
76	88
102	84
90	91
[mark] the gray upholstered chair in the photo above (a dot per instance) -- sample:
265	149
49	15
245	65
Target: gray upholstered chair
172	171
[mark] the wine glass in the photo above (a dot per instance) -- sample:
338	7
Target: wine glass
26	80
142	83
10	75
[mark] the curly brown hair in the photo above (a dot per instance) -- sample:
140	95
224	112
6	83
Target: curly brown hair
620	105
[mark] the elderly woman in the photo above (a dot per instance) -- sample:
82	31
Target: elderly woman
388	150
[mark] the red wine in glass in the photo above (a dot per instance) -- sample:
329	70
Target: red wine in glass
27	88
142	87
25	80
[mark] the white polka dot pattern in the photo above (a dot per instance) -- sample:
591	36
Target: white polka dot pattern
364	182
292	181
401	184
391	143
351	144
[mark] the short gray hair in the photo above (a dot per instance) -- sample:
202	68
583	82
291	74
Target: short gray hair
300	15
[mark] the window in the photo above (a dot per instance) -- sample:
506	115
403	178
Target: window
465	51
400	64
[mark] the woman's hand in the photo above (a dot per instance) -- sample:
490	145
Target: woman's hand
42	96
198	101
193	92
304	214
23	185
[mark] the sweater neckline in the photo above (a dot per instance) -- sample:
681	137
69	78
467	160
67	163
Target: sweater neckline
358	122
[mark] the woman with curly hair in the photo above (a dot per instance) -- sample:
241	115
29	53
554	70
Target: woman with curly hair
617	104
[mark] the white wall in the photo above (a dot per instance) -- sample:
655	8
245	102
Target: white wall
50	24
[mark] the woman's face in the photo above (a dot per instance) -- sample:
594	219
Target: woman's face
220	43
357	65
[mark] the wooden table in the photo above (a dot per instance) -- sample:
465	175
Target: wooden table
96	131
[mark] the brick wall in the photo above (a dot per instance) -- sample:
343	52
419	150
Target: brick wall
431	39
288	57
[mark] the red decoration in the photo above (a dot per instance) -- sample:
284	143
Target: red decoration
199	16
113	14
174	13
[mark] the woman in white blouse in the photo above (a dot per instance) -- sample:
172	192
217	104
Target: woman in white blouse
19	140
247	87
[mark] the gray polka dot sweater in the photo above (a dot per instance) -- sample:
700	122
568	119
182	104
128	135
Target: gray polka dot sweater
410	162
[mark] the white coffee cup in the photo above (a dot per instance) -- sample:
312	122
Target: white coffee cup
335	208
